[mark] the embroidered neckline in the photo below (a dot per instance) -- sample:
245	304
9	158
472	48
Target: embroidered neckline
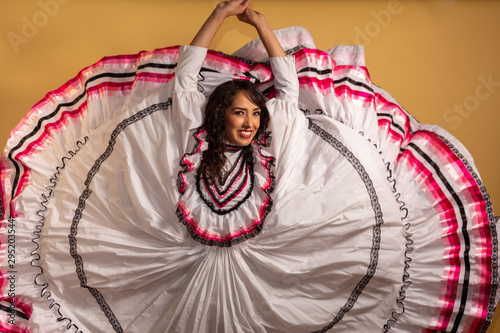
230	147
239	179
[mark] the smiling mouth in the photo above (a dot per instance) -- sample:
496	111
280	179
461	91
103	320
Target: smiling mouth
245	134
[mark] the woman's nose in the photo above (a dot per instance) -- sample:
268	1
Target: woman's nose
247	121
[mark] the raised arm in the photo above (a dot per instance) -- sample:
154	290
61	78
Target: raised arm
191	59
223	10
258	20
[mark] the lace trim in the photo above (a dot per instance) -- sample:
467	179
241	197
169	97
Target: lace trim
80	271
45	293
372	266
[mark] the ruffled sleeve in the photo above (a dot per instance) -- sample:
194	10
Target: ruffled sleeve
187	101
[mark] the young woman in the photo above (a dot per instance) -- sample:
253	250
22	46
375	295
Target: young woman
298	198
229	168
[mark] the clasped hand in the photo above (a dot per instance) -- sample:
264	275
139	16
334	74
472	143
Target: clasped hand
240	9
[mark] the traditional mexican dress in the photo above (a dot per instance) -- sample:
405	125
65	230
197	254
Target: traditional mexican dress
346	215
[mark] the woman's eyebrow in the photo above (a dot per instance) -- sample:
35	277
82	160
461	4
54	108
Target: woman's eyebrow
244	109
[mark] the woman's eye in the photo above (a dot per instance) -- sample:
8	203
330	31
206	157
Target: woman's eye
256	113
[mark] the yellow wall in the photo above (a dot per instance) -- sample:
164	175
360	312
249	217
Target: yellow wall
435	56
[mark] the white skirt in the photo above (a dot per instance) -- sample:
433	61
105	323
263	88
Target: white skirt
382	225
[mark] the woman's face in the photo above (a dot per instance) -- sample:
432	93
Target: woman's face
242	120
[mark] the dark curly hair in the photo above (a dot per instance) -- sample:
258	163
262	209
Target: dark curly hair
221	98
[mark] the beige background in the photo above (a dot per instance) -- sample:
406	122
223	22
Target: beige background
435	57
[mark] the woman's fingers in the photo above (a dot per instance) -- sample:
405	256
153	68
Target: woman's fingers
234	7
251	17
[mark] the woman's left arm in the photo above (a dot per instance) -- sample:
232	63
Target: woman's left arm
285	75
287	122
266	34
223	10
